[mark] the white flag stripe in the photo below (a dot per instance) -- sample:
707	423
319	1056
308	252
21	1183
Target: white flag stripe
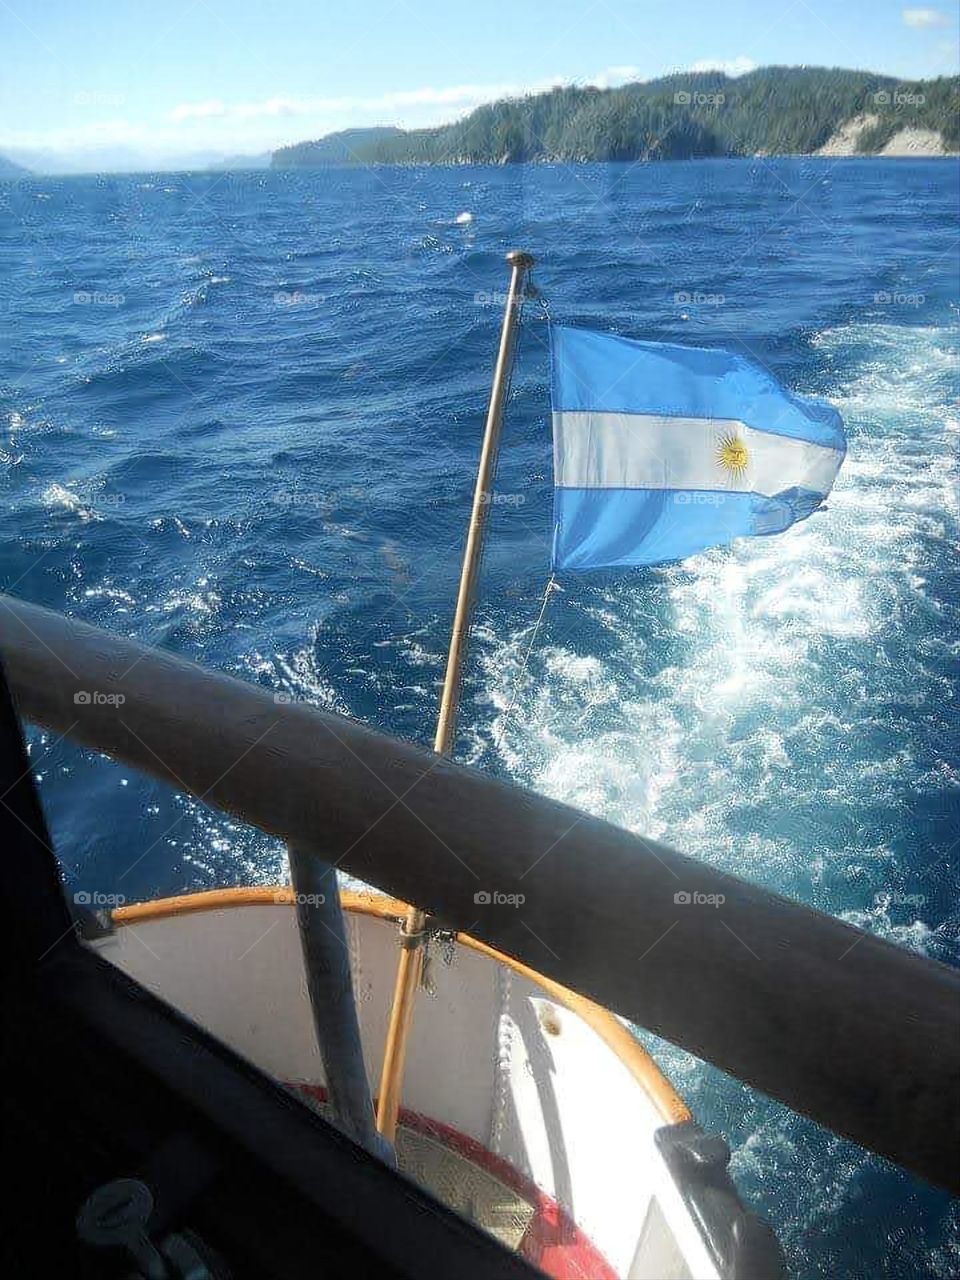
647	451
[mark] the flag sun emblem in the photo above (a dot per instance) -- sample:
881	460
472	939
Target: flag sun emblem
732	456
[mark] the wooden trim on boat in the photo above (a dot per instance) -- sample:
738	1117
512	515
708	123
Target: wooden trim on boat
609	1028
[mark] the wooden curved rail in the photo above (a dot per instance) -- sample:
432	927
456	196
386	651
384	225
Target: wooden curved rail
669	1104
836	1023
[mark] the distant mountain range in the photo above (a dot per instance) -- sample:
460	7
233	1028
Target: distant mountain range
770	111
123	160
238	163
10	170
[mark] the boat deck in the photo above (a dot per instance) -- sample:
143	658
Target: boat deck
488	1192
464	1186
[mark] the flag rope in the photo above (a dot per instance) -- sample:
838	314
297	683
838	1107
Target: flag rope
534	294
552	585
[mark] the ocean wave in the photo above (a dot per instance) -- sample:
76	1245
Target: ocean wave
770	658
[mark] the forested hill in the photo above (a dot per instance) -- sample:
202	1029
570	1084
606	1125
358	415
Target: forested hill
773	111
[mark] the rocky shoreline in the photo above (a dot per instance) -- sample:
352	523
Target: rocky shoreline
908	141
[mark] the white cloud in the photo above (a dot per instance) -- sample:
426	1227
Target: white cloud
199	111
614	76
212	124
249	127
735	67
458	96
429	104
924	18
463	97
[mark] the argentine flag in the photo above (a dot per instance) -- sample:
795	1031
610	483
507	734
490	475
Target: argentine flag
660	451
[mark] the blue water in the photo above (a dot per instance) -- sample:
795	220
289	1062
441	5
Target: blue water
240	419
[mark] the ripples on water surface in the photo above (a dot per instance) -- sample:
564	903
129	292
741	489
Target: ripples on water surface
240	418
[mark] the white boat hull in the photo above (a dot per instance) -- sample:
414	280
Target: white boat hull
524	1105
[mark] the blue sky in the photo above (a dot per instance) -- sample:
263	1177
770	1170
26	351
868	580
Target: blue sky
181	76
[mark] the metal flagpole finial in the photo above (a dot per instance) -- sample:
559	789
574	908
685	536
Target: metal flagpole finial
517	258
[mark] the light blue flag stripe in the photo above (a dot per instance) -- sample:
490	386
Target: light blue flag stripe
607	373
623	528
661	451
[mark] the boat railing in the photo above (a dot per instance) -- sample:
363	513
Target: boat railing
834	1022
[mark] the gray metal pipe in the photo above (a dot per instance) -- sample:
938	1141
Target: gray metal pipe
326	963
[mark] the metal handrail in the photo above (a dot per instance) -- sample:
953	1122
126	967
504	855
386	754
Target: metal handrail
836	1023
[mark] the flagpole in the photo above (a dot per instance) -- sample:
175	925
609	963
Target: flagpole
412	934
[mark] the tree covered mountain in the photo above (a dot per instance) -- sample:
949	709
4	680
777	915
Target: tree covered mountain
349	146
773	110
